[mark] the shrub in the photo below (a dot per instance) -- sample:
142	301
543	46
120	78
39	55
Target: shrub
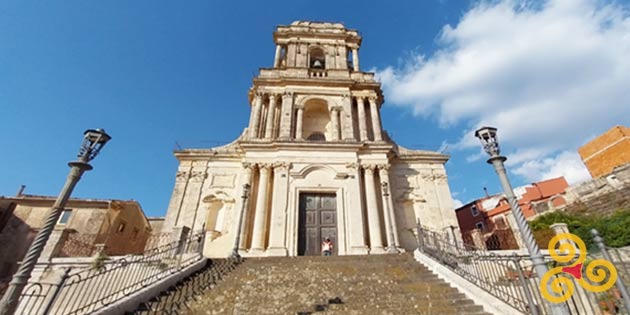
614	229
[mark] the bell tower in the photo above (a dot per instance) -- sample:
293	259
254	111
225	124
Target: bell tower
315	90
313	162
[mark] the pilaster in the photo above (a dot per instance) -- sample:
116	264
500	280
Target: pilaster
285	118
242	209
258	237
374	221
356	233
347	131
254	123
277	226
334	112
362	119
355	59
270	116
388	207
299	119
376	121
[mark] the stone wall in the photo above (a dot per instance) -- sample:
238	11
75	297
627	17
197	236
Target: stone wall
601	196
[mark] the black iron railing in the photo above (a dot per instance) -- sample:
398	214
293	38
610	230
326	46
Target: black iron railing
511	278
107	281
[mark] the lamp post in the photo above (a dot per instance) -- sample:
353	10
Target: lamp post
237	240
490	142
391	248
93	141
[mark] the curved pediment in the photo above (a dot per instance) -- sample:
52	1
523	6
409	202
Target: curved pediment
305	171
218	195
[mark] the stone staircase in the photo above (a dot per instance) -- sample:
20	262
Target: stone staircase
349	285
174	300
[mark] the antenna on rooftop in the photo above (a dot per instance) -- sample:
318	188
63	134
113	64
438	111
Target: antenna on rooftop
485	189
21	190
179	147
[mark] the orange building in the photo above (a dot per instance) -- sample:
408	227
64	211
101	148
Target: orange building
607	151
489	214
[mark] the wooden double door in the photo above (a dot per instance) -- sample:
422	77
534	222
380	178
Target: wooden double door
317	221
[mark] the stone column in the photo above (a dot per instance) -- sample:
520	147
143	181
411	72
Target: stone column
374	220
355	211
258	237
376	122
298	124
334	112
276	59
355	58
254	123
280	198
285	116
347	122
247	179
362	122
54	244
389	213
270	116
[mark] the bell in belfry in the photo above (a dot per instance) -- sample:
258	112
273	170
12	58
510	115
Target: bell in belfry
318	64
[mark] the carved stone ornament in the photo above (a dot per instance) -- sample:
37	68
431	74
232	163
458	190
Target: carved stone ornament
287	94
369	167
353	166
384	167
264	166
372	98
249	166
182	176
260	93
197	176
281	166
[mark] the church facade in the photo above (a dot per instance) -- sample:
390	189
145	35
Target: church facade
314	162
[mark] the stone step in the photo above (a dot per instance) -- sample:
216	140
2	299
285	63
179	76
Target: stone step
377	284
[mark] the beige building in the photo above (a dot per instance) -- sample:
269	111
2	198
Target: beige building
317	159
118	225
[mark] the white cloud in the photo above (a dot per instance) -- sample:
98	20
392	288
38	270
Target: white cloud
566	163
548	77
457	203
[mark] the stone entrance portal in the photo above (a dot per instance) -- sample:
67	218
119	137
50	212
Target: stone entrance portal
317	220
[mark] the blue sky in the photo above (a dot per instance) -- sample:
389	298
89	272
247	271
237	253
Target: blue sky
551	75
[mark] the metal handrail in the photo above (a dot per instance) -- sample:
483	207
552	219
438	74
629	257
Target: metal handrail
510	277
105	281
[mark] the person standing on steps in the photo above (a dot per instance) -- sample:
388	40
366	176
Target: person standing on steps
327	247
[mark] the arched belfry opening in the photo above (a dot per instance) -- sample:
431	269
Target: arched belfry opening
317	58
317	122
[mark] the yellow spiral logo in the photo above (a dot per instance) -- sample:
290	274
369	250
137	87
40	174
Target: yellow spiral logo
598	276
601	276
568	246
560	286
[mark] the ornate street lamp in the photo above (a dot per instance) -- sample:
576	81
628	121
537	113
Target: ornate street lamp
490	142
391	248
93	141
237	240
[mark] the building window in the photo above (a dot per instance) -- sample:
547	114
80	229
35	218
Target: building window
480	226
474	210
500	222
121	227
135	233
65	216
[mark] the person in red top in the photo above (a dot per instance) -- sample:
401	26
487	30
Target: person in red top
327	247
